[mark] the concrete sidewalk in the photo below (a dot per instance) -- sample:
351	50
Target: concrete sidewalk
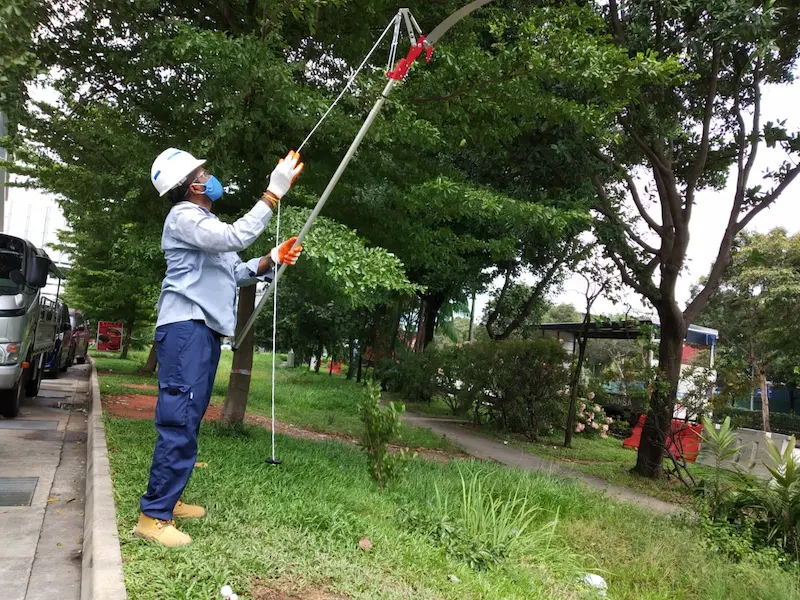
487	449
44	449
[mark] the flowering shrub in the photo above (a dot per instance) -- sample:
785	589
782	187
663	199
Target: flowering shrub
591	419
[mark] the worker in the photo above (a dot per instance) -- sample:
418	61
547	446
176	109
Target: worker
195	310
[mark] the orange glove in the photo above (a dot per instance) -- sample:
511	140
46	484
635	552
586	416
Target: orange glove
285	253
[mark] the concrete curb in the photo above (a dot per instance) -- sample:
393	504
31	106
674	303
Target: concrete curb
101	569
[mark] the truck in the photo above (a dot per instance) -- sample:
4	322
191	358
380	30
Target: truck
28	320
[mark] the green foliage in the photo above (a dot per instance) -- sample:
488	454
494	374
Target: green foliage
765	513
721	444
773	507
785	423
591	419
381	425
517	385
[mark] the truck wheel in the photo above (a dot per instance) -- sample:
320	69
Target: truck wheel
32	387
11	400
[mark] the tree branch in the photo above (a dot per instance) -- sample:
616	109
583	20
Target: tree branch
769	198
724	255
615	219
615	21
632	188
755	136
628	280
536	293
490	321
700	163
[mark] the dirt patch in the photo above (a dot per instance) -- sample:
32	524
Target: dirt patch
282	589
139	406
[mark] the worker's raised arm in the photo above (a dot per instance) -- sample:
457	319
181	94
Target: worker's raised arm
197	227
200	229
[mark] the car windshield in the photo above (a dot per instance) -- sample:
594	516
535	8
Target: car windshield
73	321
9	261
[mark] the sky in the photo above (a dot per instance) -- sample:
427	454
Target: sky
36	216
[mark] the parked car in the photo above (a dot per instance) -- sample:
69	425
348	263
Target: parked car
81	334
28	320
61	357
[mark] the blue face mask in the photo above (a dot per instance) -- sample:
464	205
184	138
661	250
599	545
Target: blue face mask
213	189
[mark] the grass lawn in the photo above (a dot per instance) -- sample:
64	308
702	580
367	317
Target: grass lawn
316	401
604	458
298	526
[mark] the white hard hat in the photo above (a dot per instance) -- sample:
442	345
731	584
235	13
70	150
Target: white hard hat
171	168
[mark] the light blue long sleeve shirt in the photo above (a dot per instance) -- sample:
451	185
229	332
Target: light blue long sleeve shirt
203	269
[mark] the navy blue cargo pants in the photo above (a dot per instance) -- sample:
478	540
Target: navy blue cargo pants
188	355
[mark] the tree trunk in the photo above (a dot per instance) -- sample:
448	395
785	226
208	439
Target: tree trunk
427	325
472	318
152	361
350	359
360	362
126	340
239	383
650	460
319	357
576	377
764	402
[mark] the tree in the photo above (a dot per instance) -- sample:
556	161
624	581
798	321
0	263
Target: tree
685	131
597	282
111	277
756	306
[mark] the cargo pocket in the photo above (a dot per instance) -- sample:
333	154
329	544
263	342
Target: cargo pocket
172	408
174	392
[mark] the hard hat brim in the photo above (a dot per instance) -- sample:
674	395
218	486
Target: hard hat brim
196	163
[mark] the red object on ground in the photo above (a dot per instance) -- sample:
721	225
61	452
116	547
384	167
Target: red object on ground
334	367
686	438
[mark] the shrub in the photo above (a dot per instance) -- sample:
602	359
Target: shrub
785	423
523	386
381	425
413	374
620	429
591	419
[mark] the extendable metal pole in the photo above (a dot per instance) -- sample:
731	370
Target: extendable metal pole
320	203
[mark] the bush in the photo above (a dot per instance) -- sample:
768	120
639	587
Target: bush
381	425
515	384
413	374
620	429
591	419
785	423
767	513
523	386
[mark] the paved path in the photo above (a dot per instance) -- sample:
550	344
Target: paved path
40	544
487	449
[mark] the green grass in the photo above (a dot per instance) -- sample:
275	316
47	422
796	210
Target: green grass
607	459
320	402
302	521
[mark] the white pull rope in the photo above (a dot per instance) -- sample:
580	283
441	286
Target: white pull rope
396	19
275	327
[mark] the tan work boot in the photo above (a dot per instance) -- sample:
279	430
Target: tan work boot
188	511
163	532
